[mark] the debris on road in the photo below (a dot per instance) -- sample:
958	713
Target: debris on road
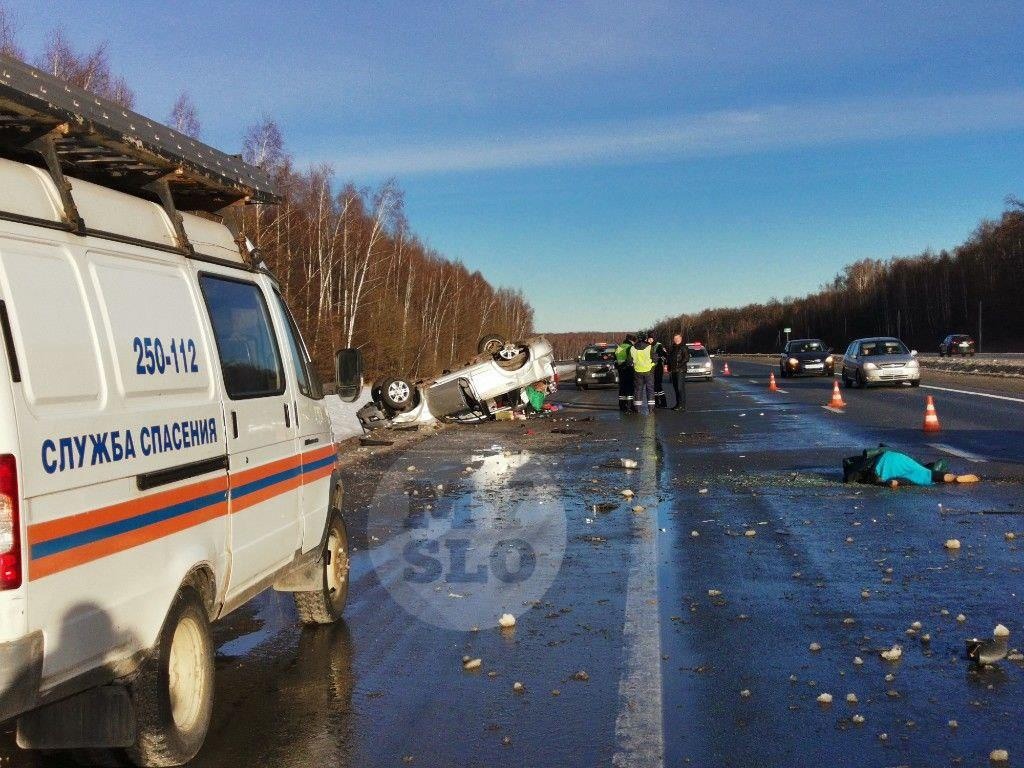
582	676
814	647
989	651
825	699
469	664
627	493
628	463
952	544
507	620
518	687
892	654
999	756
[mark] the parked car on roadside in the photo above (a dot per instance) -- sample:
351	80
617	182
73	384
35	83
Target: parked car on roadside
957	344
806	356
699	367
492	381
596	367
880	360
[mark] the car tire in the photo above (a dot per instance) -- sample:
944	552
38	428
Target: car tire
846	380
397	394
915	382
490	344
861	383
327	604
172	691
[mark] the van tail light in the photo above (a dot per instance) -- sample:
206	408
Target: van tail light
10	529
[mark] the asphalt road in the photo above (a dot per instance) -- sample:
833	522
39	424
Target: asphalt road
678	633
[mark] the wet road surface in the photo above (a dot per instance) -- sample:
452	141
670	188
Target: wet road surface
675	633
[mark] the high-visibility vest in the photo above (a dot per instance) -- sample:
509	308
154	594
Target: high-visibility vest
622	352
643	361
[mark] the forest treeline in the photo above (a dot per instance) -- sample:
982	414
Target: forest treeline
918	298
351	268
567	346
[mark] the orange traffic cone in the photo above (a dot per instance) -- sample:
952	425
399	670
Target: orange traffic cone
725	370
837	397
771	382
931	418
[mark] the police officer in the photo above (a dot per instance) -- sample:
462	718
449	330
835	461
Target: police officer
642	355
624	365
678	357
660	365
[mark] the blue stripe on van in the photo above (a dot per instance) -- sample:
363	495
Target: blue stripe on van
279	477
64	543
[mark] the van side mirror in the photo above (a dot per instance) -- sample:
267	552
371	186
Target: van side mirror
348	373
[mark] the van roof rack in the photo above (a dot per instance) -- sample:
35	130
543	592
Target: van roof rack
95	139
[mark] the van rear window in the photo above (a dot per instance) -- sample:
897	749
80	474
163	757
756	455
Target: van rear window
249	356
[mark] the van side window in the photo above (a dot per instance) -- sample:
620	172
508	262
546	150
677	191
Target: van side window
305	375
249	357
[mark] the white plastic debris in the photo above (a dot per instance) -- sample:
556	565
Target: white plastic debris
703	490
628	463
893	654
814	647
627	493
1009	535
471	664
694	534
507	620
410	468
1000	631
745	693
999	756
857	661
825	699
952	544
851	698
518	687
858	719
961	618
639	509
714	592
750	533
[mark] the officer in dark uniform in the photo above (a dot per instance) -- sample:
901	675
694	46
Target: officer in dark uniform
624	365
678	357
660	355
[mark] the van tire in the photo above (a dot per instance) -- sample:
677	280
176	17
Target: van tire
326	605
182	659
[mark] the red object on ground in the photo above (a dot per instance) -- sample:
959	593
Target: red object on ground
931	418
725	370
772	387
837	397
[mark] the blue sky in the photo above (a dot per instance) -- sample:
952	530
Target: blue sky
617	161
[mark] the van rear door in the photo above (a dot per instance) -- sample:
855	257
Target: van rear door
265	474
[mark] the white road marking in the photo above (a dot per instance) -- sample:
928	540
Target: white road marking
979	394
639	734
753	381
958	452
833	409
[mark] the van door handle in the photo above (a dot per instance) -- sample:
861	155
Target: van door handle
234	423
312	440
287	416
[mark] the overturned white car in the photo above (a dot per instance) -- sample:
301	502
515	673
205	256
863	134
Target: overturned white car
492	381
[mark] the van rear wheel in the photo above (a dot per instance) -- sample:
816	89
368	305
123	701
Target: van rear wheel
172	692
325	605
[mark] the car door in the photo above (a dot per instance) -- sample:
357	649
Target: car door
264	471
313	440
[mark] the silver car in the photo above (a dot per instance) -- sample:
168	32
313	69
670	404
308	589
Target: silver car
490	382
699	366
880	360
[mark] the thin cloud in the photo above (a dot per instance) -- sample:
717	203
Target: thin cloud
710	134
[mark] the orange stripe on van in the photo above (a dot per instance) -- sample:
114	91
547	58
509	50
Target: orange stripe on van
53	529
40	567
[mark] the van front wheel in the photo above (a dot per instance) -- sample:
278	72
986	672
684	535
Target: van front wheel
325	605
172	692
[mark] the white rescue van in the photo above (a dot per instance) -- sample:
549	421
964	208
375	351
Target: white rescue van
165	456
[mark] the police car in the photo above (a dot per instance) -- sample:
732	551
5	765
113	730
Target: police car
165	454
